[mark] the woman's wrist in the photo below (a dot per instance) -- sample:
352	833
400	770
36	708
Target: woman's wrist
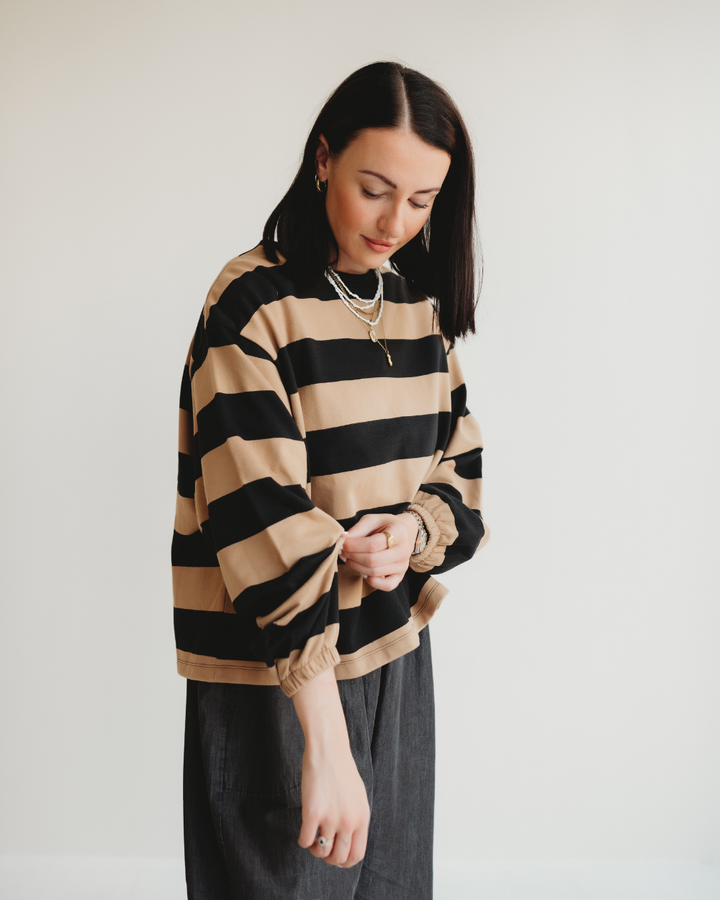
320	711
420	535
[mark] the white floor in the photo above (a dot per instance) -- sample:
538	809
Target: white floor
102	878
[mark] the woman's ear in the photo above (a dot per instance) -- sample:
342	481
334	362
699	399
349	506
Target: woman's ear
322	154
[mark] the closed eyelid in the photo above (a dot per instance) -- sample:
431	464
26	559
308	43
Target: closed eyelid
376	194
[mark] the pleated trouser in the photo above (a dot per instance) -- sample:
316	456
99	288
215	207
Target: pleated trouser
242	789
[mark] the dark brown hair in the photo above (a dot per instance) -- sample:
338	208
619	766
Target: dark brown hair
439	262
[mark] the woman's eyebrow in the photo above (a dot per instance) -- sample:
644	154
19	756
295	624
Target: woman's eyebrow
392	183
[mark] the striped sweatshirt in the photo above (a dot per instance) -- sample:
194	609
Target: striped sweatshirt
292	426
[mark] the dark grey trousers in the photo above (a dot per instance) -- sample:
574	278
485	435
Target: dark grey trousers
242	797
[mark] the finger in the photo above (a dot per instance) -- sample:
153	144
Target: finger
375	571
340	849
375	560
325	851
357	849
374	543
384	584
369	523
308	831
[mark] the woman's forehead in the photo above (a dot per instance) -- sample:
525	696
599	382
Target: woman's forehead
399	157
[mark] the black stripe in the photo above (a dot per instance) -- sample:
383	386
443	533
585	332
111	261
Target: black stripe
253	508
199	346
186	391
262	599
458	400
380	613
393	509
222	635
322	362
357	446
442	490
230	314
193	550
238	637
186	476
253	416
278	641
228	636
239	302
468	465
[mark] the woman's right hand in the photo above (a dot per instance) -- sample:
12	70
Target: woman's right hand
334	800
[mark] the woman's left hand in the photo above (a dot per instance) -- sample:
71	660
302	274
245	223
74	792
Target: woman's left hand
366	550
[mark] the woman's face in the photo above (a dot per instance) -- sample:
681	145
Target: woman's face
380	192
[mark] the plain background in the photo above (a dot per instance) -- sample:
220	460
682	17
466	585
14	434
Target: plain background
577	658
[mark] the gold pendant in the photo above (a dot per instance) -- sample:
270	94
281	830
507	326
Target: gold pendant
376	340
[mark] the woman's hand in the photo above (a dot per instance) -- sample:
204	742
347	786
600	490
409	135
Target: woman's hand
334	800
366	548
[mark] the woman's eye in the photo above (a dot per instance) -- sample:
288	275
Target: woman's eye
371	196
419	205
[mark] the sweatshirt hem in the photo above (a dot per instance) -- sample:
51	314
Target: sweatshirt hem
386	649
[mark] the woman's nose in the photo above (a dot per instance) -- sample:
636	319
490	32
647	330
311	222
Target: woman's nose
391	221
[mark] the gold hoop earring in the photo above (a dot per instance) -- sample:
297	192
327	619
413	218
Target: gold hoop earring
321	186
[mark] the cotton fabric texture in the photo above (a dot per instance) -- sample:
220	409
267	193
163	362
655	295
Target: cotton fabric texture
293	426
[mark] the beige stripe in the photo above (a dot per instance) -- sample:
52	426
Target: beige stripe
227	370
333	404
274	551
305	596
465	437
470	489
352	587
185	518
456	375
431	596
200	588
234	269
237	462
437	456
227	671
293	319
342	495
201	509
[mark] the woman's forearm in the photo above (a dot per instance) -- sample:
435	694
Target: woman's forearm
334	800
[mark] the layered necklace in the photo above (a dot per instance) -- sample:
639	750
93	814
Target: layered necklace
361	308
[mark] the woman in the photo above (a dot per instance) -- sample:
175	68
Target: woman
328	466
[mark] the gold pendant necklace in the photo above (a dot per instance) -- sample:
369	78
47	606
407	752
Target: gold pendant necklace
376	340
368	307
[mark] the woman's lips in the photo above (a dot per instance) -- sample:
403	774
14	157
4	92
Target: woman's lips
378	246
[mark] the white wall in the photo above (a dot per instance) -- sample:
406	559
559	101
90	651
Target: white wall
576	660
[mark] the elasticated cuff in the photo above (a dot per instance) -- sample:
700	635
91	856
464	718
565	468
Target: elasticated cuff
293	681
441	529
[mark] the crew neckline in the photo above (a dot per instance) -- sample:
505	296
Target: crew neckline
360	284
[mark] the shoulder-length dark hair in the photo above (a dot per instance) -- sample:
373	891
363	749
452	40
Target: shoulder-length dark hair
439	262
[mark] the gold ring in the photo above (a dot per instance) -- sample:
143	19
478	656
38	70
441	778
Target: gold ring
390	539
325	842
